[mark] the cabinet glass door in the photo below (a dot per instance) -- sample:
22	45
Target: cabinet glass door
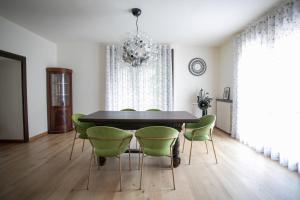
60	88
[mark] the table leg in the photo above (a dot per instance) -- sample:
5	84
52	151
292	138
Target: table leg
101	161
176	158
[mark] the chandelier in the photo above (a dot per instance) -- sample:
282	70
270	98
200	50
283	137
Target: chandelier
137	48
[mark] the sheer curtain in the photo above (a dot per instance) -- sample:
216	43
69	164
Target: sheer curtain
266	110
141	88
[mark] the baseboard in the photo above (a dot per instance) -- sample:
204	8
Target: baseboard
11	141
222	130
33	138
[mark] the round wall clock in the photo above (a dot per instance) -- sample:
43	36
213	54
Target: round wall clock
197	66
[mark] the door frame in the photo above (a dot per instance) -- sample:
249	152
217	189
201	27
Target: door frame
22	59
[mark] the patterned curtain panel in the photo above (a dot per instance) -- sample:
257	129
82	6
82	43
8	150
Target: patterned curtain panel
140	88
266	110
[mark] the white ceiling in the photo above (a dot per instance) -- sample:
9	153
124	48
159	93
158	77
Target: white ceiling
198	22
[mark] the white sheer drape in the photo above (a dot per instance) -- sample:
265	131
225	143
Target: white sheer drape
266	108
145	87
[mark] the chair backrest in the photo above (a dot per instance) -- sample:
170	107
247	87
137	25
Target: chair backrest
203	121
107	138
80	127
204	126
208	120
128	109
156	137
153	109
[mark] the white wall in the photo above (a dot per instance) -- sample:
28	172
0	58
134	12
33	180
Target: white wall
40	53
186	85
226	68
11	109
88	63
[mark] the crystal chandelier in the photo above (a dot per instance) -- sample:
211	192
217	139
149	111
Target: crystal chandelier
137	48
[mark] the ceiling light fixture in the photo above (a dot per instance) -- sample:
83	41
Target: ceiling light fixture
137	48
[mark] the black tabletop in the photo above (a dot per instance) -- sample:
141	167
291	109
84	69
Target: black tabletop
140	116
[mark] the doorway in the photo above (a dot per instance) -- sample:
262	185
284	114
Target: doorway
13	98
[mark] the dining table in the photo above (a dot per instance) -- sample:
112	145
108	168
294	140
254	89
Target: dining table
134	120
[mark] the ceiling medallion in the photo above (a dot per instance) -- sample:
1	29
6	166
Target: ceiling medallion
137	48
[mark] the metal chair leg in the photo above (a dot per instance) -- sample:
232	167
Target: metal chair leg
191	152
129	158
214	150
82	145
90	169
183	145
141	167
206	146
73	146
172	168
120	171
95	159
136	143
139	159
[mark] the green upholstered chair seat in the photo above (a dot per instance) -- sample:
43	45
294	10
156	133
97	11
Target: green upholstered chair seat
80	128
153	109
128	109
203	121
83	136
109	152
200	131
109	141
83	126
157	152
189	136
156	140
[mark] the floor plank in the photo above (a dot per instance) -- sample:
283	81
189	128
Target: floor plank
41	170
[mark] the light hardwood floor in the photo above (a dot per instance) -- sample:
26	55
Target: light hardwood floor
41	170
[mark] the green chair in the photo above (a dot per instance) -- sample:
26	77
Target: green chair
108	142
200	131
153	109
128	109
156	141
80	128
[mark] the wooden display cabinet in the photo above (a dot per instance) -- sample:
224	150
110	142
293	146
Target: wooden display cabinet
59	100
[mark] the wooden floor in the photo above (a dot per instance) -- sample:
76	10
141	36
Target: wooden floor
42	170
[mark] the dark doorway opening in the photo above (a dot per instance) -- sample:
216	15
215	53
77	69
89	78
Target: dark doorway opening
23	95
